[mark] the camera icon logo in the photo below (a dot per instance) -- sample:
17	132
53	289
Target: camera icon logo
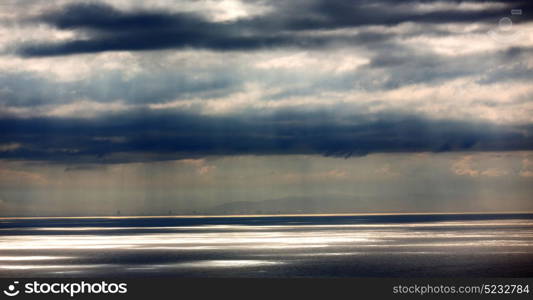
11	290
505	33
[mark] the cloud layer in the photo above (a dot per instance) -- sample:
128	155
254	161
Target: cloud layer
116	81
109	29
146	136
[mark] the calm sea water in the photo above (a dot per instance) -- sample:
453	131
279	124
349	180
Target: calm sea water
306	246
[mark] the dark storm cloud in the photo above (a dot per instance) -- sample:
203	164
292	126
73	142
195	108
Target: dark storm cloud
109	29
153	87
406	66
113	30
149	135
332	14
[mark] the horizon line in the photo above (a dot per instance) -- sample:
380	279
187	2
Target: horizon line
265	215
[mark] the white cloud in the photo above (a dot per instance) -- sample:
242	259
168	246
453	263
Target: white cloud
86	109
338	62
9	147
473	38
485	165
463	167
527	168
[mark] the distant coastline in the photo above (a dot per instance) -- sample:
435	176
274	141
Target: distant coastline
274	215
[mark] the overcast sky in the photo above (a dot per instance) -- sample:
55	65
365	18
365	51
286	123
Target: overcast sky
204	106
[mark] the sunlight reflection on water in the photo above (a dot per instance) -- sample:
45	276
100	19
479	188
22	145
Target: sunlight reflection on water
180	250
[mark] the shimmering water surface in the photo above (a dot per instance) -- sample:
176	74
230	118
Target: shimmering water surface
304	246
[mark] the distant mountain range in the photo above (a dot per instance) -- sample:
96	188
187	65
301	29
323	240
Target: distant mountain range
329	204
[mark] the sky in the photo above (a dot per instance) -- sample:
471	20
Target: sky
305	106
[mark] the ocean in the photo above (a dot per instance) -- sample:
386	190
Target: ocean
396	245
